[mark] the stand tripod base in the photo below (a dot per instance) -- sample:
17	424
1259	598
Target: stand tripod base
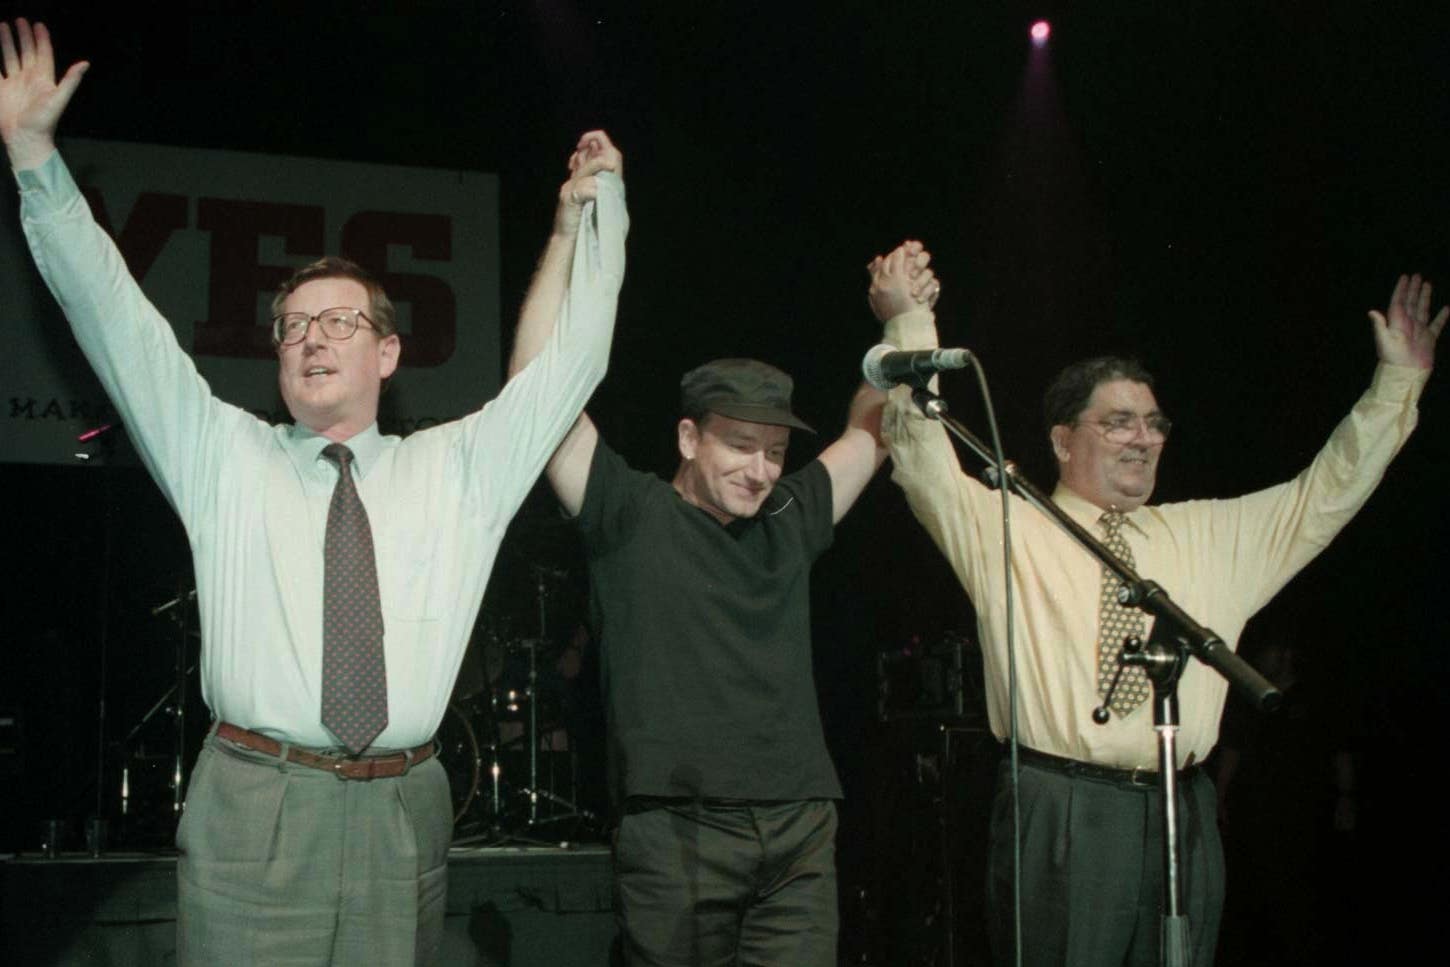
1175	941
498	836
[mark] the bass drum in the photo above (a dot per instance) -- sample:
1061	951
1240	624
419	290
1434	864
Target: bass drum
462	760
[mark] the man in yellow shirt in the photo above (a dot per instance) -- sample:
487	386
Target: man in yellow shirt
1089	803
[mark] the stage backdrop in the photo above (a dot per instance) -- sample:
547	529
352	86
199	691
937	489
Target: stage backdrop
210	234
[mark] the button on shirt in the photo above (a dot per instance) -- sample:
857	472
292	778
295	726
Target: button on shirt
1220	560
254	497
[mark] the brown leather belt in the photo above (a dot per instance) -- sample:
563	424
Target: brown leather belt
388	766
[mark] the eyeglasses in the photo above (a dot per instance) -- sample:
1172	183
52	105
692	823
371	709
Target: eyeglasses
337	324
1124	427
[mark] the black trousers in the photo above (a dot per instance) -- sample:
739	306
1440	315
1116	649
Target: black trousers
702	884
1092	870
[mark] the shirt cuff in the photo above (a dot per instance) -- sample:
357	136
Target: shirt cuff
1397	384
49	182
611	179
913	329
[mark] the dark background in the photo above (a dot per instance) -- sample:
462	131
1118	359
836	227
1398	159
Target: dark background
1218	189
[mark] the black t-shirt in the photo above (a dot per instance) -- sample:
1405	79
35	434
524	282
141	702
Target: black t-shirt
705	637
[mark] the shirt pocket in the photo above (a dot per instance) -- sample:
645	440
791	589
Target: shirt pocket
408	578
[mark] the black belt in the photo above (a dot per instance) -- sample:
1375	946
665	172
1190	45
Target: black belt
641	804
1091	770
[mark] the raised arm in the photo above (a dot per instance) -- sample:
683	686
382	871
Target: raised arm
31	102
568	469
1278	530
901	282
180	430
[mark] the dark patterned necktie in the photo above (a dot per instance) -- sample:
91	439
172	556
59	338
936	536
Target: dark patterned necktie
1116	622
354	678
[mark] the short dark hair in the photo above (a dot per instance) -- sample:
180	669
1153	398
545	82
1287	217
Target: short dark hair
1068	394
696	415
380	308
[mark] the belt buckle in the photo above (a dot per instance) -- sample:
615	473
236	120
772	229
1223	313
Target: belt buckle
1141	776
338	764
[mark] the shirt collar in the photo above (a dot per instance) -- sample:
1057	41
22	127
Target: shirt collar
305	447
1088	514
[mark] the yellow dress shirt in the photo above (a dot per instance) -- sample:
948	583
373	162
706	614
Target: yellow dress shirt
1220	560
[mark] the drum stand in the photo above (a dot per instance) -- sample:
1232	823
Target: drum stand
176	696
497	834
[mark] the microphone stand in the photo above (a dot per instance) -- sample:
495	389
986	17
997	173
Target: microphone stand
105	450
1175	638
178	762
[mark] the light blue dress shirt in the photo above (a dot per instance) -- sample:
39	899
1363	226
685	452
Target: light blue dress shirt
253	497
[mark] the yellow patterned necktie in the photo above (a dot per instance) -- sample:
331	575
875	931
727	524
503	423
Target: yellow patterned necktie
1116	622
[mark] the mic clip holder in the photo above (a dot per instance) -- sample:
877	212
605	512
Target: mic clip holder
1162	663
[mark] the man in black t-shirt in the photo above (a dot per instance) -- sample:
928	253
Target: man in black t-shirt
700	599
701	595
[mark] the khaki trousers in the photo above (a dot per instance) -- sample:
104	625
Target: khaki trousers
284	865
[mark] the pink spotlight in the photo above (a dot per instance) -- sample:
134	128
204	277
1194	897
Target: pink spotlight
1041	30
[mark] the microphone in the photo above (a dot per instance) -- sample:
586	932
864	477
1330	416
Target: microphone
885	365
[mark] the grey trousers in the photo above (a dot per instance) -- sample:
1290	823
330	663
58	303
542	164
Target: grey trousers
713	885
1092	870
283	865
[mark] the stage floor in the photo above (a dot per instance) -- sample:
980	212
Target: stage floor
518	906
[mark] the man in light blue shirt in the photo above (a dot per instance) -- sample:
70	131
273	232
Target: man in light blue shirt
293	846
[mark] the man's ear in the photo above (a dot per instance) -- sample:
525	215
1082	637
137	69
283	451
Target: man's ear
687	433
1058	436
390	350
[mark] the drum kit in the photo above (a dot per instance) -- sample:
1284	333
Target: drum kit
513	770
